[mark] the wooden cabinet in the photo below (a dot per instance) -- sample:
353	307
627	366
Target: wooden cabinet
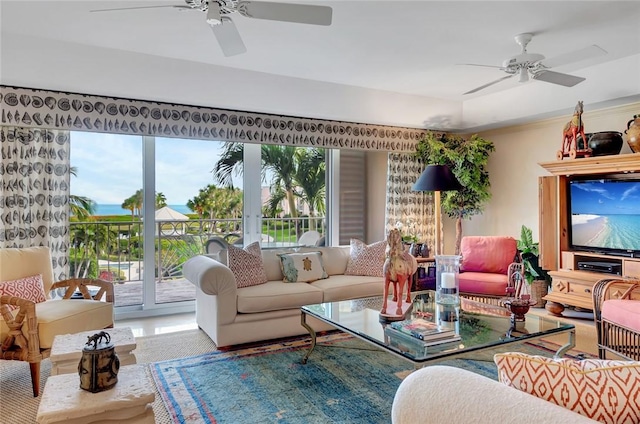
570	285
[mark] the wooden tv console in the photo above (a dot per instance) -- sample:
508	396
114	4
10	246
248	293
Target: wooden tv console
570	285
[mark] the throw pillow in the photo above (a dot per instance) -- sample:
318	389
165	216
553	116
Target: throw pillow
604	390
302	267
246	265
366	259
30	288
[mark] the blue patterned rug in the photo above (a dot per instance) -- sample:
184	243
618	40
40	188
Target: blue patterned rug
344	381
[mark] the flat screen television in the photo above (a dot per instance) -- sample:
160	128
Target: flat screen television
605	215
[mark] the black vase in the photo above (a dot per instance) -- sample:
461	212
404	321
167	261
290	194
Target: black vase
605	143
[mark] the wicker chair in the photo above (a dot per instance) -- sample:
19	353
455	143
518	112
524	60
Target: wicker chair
27	328
617	317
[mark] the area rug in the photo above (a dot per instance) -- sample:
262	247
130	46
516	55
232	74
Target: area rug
17	404
345	381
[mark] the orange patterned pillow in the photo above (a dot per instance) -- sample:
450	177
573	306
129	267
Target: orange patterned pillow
246	265
30	288
366	259
604	390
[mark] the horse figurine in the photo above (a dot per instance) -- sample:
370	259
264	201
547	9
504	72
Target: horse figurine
570	136
398	268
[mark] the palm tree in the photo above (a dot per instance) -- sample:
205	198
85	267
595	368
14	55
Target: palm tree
134	203
310	178
284	163
161	200
81	207
130	205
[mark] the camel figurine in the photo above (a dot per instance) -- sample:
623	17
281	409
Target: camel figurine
398	269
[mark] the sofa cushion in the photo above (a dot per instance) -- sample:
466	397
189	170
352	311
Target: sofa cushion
335	258
246	265
30	288
302	267
276	295
67	316
366	259
483	283
623	312
604	390
487	253
341	287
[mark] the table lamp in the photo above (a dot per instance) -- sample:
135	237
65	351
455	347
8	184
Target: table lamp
437	178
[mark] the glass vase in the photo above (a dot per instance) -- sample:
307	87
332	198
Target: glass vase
447	279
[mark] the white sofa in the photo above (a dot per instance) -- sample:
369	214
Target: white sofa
443	395
231	315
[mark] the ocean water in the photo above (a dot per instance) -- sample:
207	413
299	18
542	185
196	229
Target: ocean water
614	232
117	210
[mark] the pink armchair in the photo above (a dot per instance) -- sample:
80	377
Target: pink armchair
486	261
616	310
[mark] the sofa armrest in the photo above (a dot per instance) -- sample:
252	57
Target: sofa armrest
211	276
443	395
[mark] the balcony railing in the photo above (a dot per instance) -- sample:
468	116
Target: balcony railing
113	251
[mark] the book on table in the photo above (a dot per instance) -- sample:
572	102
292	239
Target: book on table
418	348
392	333
422	329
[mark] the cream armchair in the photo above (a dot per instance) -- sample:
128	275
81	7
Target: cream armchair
27	332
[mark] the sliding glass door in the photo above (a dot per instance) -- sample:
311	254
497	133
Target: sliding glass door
145	205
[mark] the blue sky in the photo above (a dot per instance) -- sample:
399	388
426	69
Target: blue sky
109	166
605	197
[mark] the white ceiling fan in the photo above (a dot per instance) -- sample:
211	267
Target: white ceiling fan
534	65
224	29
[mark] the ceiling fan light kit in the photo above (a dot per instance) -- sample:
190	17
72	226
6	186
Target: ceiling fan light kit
528	64
224	29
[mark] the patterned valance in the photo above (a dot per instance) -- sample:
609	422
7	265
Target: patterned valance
26	107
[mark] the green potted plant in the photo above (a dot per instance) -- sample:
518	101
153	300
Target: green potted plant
467	159
536	277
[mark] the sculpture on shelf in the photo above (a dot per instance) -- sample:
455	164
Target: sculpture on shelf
570	133
398	269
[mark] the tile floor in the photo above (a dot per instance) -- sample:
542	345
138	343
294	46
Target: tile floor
159	324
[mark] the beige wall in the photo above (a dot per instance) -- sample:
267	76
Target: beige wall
513	171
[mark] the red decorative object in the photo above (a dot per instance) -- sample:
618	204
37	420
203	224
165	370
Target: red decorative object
398	269
570	133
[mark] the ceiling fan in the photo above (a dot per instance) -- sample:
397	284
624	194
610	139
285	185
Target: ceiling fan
224	29
533	64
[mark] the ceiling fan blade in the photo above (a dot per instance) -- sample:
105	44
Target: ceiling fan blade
228	37
483	66
482	87
576	56
287	12
558	78
140	7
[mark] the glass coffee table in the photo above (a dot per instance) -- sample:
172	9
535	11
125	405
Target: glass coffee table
479	325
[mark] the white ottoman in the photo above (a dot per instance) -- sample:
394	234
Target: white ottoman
66	349
128	402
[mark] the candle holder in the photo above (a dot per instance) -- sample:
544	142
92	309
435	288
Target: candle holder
447	282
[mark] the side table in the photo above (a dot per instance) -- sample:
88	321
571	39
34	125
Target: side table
66	349
128	402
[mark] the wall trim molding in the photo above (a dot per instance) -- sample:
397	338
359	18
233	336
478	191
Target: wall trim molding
37	108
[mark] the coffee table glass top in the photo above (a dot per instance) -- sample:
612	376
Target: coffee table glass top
479	325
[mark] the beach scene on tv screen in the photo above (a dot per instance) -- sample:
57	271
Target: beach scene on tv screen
606	214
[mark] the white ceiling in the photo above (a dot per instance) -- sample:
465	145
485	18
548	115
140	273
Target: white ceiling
385	62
